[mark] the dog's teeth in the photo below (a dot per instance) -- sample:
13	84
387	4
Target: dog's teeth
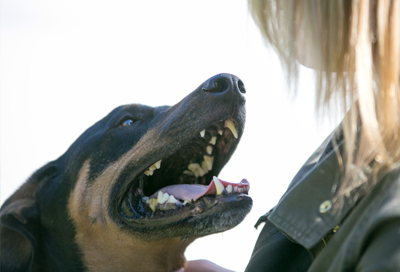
161	198
235	189
196	173
220	131
172	199
149	172
229	189
193	167
208	163
155	166
204	166
231	125
213	140
165	198
201	171
218	185
240	190
152	203
197	170
202	133
209	149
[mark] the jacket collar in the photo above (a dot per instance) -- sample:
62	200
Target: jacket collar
305	213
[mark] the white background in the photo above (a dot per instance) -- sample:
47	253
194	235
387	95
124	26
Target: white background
66	64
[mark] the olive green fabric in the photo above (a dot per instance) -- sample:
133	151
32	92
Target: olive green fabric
361	236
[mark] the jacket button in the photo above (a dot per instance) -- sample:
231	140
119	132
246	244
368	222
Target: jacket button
325	206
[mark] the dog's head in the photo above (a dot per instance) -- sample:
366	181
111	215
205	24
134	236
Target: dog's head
135	188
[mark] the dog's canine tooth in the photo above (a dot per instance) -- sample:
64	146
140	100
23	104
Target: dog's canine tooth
218	185
213	140
229	189
203	133
231	125
209	149
220	131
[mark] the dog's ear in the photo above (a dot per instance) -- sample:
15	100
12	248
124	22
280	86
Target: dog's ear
20	223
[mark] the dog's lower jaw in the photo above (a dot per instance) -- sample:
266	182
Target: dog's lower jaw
124	253
105	245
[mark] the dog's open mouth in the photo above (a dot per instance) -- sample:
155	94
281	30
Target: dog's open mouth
185	183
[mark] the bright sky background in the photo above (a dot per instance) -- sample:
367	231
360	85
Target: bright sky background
66	64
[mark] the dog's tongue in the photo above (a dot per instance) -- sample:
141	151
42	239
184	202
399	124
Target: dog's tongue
195	191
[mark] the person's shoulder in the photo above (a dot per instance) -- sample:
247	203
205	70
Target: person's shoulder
380	246
386	205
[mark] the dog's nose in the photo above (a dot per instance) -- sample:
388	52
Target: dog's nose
223	84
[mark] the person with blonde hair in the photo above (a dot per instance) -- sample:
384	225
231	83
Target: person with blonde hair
341	211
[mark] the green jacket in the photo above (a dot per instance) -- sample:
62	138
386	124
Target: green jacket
304	232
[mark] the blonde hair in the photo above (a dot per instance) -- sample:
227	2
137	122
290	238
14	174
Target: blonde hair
354	47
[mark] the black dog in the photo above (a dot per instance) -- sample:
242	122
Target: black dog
134	190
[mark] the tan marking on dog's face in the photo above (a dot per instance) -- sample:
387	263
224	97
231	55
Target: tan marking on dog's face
103	244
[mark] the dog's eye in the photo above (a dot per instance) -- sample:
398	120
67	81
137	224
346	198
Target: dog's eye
127	122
